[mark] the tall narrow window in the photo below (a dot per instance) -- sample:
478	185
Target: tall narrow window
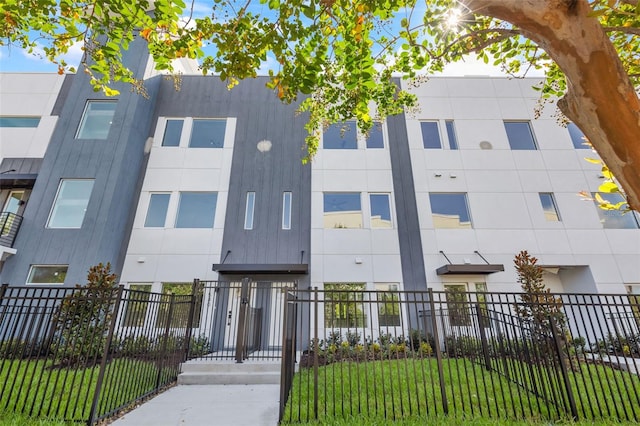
137	304
342	210
248	211
207	133
182	295
549	207
172	133
157	212
96	120
615	219
577	137
70	204
520	135
450	210
341	136
430	135
374	138
343	305
458	307
451	134
47	274
196	209
388	299
286	210
380	211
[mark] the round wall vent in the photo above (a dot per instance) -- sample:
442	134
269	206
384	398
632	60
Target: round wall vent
486	145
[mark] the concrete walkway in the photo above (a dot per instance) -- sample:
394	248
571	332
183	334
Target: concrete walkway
208	405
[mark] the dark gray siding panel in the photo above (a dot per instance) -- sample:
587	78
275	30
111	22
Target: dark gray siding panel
260	116
411	255
63	94
116	164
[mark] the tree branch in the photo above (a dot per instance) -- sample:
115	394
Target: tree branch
624	30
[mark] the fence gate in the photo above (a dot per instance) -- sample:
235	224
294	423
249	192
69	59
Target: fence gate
243	320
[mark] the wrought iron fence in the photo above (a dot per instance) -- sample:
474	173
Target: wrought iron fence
398	354
82	355
9	226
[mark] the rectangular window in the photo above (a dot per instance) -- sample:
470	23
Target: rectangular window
196	209
19	121
380	211
520	135
430	135
449	210
70	204
343	306
577	137
341	136
180	317
374	138
248	211
96	120
47	274
137	304
388	299
615	219
342	210
157	212
549	207
286	210
458	307
634	300
207	133
172	133
481	298
451	134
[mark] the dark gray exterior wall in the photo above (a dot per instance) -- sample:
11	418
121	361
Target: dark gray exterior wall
116	164
411	255
260	116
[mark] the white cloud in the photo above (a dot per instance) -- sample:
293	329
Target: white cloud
269	64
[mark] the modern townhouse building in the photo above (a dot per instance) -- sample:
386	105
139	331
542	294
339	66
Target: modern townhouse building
203	182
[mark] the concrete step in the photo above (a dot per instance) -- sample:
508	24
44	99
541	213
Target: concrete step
229	373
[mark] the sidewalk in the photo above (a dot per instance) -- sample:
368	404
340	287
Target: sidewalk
208	405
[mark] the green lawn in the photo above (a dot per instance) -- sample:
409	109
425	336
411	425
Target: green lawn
408	390
38	389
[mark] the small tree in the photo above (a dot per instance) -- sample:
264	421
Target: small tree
82	319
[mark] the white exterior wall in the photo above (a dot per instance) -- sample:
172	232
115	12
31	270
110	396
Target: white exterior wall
502	189
170	254
28	95
367	255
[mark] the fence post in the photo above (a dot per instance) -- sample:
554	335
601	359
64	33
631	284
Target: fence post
287	369
192	309
563	367
242	321
105	354
483	338
436	341
165	339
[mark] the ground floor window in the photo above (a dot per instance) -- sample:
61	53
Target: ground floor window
343	305
181	306
137	306
388	298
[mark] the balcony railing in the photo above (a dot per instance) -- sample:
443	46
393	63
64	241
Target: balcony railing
9	225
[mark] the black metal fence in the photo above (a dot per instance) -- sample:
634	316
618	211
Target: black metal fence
9	226
82	355
393	355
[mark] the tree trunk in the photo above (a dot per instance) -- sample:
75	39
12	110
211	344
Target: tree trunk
600	98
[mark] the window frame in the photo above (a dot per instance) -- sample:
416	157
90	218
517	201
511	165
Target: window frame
354	314
213	215
55	206
577	140
136	311
201	120
386	296
466	205
86	113
33	267
438	133
249	210
32	121
513	142
166	127
340	225
348	127
390	210
287	201
554	205
166	209
452	135
377	126
602	214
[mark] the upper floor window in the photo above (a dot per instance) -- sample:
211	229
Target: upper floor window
172	132
96	120
451	134
449	210
615	219
71	203
375	138
342	210
207	133
430	135
248	212
47	274
380	211
196	209
341	136
157	212
520	135
549	207
577	137
19	121
286	210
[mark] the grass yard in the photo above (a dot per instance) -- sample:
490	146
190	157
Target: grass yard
372	393
36	388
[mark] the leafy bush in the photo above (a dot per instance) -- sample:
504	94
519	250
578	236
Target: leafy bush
20	349
462	346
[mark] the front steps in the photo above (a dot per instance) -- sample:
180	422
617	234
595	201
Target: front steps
229	373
